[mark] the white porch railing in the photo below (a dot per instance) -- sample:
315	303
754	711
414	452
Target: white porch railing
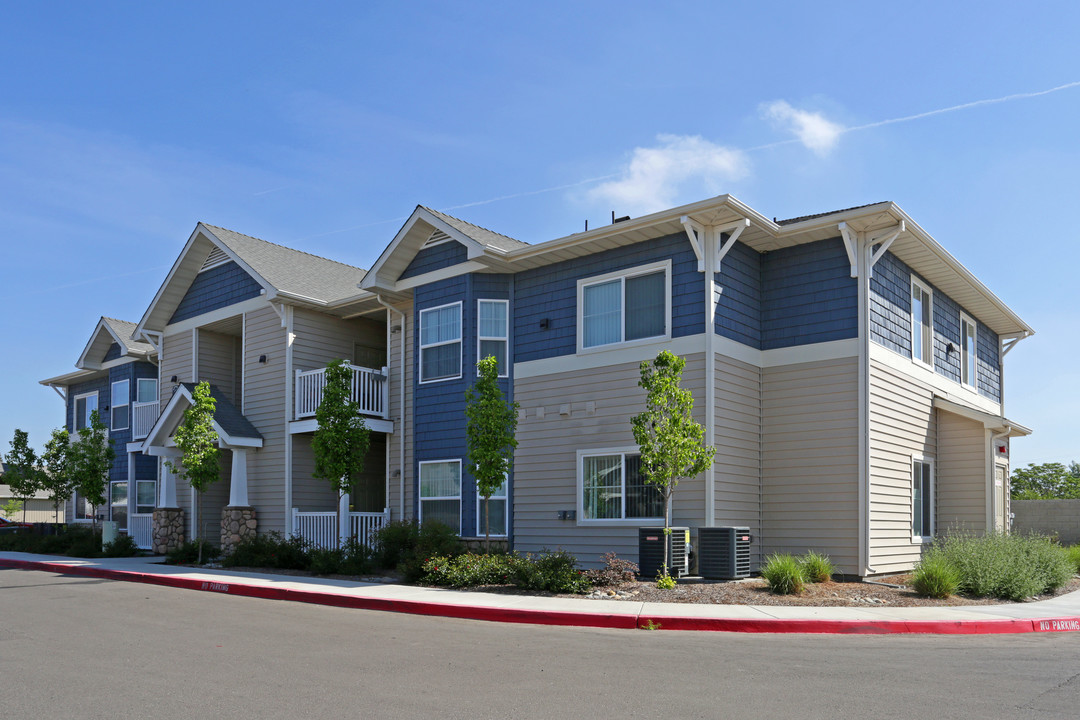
143	417
320	528
141	530
369	391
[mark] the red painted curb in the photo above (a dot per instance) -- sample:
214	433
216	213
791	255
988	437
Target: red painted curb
576	619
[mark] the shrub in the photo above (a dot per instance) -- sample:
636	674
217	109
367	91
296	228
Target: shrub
121	546
1010	567
351	559
269	550
555	572
616	571
816	568
188	553
394	541
784	574
935	577
665	581
1073	554
469	570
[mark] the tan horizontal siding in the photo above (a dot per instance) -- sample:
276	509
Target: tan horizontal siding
961	473
176	361
264	406
737	438
219	363
401	416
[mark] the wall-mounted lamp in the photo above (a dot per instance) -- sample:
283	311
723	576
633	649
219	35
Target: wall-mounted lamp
395	328
395	473
262	359
950	348
545	324
173	380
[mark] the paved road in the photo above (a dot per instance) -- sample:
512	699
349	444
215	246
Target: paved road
75	647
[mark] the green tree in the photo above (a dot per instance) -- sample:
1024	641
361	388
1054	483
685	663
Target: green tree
341	441
1049	481
57	479
197	441
671	443
23	475
90	460
490	425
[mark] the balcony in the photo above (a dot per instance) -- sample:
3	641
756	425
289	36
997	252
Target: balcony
369	391
143	417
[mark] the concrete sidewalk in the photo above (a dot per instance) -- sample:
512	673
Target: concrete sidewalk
1061	614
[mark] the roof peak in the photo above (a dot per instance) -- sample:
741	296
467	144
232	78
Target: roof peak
283	247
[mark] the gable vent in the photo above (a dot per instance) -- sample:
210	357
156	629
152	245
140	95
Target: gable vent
216	257
437	237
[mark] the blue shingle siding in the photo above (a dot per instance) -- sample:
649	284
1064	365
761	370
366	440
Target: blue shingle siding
437	257
738	306
113	352
890	325
809	295
100	386
550	293
439	407
216	288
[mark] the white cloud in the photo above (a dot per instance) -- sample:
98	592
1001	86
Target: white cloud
655	176
812	129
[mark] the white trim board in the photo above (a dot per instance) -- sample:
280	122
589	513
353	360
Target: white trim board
949	389
224	313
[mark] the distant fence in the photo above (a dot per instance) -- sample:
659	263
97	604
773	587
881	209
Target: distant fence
1048	517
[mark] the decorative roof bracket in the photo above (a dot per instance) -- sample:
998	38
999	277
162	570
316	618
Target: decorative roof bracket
695	231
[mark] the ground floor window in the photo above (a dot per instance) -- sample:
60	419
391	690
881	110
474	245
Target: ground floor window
145	496
496	510
922	499
613	488
440	492
118	504
82	510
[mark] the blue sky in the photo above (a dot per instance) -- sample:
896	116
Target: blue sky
321	126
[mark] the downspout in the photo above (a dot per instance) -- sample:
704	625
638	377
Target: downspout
286	314
401	406
711	240
863	250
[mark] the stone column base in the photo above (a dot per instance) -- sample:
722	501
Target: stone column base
168	530
237	523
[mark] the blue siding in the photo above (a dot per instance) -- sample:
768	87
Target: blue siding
809	295
112	353
738	308
439	407
216	288
550	293
890	325
440	256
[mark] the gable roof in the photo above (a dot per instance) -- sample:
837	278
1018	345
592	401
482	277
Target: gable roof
231	426
109	331
283	272
485	237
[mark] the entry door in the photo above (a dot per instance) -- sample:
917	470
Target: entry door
118	504
999	498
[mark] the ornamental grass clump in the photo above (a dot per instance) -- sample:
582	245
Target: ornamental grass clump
1073	554
935	577
816	568
784	574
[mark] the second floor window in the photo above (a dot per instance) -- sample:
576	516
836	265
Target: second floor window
121	395
922	324
967	350
624	307
85	405
493	331
147	391
440	343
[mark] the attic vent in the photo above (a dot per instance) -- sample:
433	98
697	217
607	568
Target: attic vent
216	257
437	237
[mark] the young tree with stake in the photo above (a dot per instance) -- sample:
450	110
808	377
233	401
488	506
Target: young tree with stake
196	439
490	426
91	460
23	475
340	443
57	479
671	442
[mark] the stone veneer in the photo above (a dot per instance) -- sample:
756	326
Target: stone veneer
168	530
237	523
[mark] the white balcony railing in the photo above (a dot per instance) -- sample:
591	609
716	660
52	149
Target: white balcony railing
320	528
143	417
141	529
369	391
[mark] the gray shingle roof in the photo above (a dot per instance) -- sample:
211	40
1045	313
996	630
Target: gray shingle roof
293	271
481	235
125	331
227	416
791	221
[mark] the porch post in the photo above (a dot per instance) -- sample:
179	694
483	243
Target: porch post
238	485
344	521
168	520
167	496
131	499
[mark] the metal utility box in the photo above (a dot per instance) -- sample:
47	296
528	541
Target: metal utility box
724	552
651	551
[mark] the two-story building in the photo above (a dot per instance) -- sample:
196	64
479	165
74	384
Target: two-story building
848	370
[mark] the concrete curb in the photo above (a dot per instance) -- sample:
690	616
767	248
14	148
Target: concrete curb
625	621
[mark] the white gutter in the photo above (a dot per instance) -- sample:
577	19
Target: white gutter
711	240
400	426
287	323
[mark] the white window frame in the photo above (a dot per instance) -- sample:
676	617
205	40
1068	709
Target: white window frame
135	499
419	489
505	339
459	341
76	498
622	276
75	409
928	523
113	405
609	522
928	334
138	384
967	319
505	497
